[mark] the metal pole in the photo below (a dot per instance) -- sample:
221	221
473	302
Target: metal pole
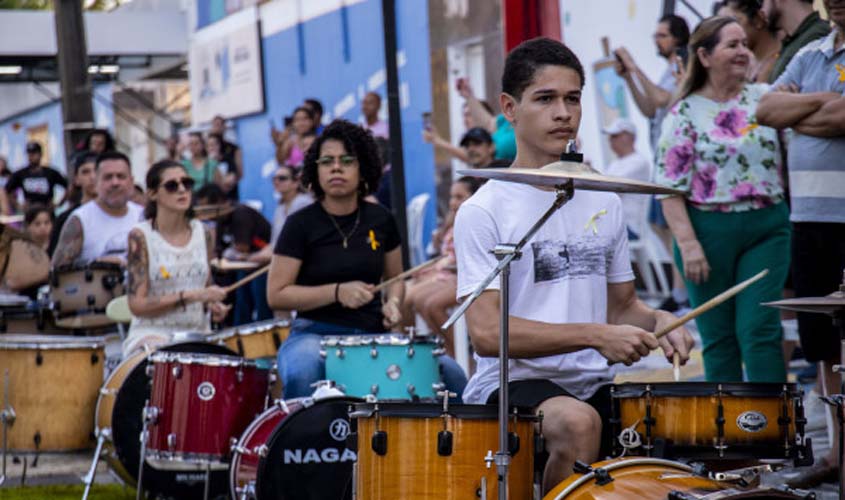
72	55
397	158
503	457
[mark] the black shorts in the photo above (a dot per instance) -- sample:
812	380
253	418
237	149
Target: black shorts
818	258
530	393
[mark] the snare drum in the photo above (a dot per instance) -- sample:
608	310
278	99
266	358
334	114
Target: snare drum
199	403
416	450
386	366
255	340
53	384
307	455
704	420
80	294
626	478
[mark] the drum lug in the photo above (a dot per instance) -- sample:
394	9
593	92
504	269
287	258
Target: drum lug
649	422
177	372
373	353
151	414
95	358
602	476
39	358
720	424
411	351
444	443
171	441
150	370
89	275
580	467
91	300
239	375
379	443
412	390
340	354
804	454
513	443
374	389
323	353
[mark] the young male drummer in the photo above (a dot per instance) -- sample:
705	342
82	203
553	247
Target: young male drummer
572	304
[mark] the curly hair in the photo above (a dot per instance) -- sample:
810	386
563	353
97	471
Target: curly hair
358	142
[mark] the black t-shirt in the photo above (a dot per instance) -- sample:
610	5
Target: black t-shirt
244	226
310	236
37	185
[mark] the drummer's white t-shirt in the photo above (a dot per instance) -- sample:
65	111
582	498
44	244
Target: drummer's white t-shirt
562	276
104	234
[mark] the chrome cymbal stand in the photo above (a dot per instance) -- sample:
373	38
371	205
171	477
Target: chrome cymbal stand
506	253
88	480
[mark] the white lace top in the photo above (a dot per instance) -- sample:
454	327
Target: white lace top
171	270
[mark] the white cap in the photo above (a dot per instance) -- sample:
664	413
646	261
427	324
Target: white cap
620	125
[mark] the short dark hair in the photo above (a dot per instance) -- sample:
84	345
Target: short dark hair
358	142
678	28
34	211
527	58
82	158
311	115
105	133
211	193
315	105
112	155
153	182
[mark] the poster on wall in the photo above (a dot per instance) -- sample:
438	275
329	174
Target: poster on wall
611	99
225	68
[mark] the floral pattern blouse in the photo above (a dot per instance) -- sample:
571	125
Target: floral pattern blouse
718	155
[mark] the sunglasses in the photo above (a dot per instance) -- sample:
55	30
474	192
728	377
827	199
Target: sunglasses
345	160
172	185
281	178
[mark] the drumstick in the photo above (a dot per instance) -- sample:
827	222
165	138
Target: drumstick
710	304
402	276
676	366
246	279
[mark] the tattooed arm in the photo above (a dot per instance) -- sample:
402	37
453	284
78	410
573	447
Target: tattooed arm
138	267
69	245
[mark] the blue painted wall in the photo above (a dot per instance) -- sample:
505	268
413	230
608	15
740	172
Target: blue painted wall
13	130
330	58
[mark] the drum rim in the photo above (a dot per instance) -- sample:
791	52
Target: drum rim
92	266
192	358
629	390
253	328
617	464
413	409
181	461
380	339
26	341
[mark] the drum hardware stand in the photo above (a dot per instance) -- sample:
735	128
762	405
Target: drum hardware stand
720	423
7	417
207	481
838	402
148	416
505	254
88	480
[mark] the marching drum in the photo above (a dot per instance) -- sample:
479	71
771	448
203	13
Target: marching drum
119	418
627	478
418	450
255	340
305	457
704	420
388	366
80	293
199	403
53	382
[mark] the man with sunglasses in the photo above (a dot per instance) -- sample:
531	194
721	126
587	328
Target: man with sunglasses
99	229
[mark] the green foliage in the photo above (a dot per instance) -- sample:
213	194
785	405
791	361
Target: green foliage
26	4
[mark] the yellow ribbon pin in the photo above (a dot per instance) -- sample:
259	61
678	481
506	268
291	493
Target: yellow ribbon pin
841	70
748	128
164	273
591	223
374	243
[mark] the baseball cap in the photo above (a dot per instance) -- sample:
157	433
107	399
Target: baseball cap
476	134
33	147
620	125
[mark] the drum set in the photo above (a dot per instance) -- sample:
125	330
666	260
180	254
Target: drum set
203	417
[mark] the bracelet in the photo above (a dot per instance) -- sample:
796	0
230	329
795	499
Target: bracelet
337	293
182	300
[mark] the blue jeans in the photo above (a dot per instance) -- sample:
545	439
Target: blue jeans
300	363
251	301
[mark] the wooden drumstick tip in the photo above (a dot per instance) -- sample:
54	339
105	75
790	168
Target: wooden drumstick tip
676	366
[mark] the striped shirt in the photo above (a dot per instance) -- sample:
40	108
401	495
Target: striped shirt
817	164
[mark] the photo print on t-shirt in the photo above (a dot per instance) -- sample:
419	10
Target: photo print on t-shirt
556	259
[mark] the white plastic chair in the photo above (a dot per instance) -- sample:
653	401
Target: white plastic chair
415	214
649	254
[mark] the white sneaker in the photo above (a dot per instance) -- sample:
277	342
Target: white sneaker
814	412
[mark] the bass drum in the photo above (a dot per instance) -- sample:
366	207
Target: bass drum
119	412
655	478
307	456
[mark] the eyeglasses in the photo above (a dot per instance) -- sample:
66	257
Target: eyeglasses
172	185
345	160
281	178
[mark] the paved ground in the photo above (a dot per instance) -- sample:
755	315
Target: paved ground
69	468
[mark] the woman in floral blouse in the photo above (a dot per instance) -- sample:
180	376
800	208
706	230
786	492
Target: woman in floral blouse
732	221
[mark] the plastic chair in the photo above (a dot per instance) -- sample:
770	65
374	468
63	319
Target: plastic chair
649	254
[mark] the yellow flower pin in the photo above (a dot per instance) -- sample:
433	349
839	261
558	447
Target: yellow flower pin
164	273
748	128
374	243
841	70
591	223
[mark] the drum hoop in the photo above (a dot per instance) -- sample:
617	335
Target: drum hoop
133	361
192	358
91	266
618	465
177	461
435	410
377	339
48	342
690	389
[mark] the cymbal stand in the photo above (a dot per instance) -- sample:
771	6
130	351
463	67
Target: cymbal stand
88	480
7	417
506	253
838	400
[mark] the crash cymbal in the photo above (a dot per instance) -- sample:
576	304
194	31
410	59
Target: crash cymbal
829	304
559	173
209	212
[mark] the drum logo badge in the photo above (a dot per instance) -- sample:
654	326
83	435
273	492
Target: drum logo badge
339	429
751	421
206	391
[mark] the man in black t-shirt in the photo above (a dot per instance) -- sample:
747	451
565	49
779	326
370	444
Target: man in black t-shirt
37	182
240	234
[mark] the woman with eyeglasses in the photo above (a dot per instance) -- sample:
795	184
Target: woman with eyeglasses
169	286
331	254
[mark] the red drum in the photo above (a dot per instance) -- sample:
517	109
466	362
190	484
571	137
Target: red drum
199	403
253	445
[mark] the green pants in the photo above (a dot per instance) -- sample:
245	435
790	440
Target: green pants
739	245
